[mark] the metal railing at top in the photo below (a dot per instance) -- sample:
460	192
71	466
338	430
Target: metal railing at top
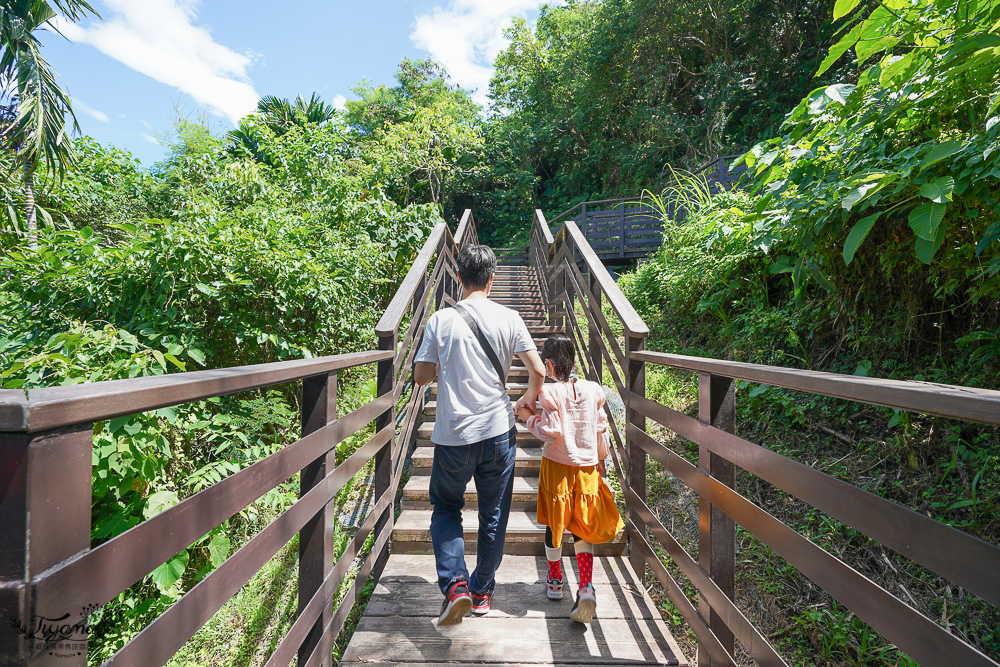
48	569
629	228
612	352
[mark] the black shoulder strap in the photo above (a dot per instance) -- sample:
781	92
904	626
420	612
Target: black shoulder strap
485	344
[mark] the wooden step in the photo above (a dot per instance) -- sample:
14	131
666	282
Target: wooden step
514	389
524	436
416	493
525	536
527	460
430	408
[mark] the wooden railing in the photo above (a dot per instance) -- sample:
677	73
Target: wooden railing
612	353
630	228
48	569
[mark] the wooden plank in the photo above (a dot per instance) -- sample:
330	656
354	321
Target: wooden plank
633	323
396	310
55	407
418	488
953	401
514	600
505	640
110	568
13	410
917	635
415	526
947	551
514	570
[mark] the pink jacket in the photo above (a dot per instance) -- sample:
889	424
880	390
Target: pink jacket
572	424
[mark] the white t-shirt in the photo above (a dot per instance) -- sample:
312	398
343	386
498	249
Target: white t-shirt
472	404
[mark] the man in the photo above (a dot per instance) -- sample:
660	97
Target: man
474	434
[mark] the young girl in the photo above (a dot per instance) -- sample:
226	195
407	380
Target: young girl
571	495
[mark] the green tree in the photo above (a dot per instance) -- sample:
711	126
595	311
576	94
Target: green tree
275	116
38	131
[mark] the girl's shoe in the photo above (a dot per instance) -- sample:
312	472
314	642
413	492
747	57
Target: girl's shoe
586	604
554	589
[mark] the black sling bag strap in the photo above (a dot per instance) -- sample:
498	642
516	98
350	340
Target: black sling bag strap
485	344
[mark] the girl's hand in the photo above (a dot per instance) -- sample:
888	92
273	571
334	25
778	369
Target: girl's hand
524	413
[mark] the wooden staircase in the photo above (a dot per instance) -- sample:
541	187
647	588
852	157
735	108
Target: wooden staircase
523	627
516	286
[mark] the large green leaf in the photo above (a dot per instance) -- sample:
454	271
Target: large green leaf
926	249
940	152
841	47
218	549
858	234
170	572
939	190
925	219
844	7
158	502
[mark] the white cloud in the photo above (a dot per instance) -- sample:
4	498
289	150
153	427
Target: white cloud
158	39
151	139
339	102
90	111
466	37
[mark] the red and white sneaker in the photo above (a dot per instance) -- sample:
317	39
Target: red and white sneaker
457	603
481	603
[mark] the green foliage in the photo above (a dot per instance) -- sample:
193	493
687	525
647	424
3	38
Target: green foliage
599	98
897	175
212	259
837	636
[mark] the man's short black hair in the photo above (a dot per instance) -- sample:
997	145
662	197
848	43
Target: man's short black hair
476	264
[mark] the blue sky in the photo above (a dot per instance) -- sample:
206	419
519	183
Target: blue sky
131	73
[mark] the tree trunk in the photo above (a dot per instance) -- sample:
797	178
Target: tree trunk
29	206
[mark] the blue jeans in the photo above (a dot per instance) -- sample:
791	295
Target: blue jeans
491	463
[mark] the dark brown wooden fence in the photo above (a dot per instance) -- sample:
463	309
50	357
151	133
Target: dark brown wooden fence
612	352
48	569
630	228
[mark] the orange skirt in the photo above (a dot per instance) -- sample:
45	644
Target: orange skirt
576	499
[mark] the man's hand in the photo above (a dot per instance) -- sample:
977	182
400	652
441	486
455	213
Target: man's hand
525	403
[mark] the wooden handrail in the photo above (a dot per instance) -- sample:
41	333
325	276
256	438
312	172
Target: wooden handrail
401	301
629	317
543	226
55	407
942	400
48	436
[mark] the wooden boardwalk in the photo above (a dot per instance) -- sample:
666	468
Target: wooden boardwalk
523	628
399	626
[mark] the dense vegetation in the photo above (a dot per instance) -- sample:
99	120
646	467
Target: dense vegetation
866	241
277	241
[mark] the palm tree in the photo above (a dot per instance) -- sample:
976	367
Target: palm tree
38	131
279	115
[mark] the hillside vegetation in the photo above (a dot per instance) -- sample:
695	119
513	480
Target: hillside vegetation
866	240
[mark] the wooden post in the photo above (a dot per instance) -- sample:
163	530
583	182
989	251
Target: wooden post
635	383
717	532
45	495
584	227
595	332
621	236
386	384
316	556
